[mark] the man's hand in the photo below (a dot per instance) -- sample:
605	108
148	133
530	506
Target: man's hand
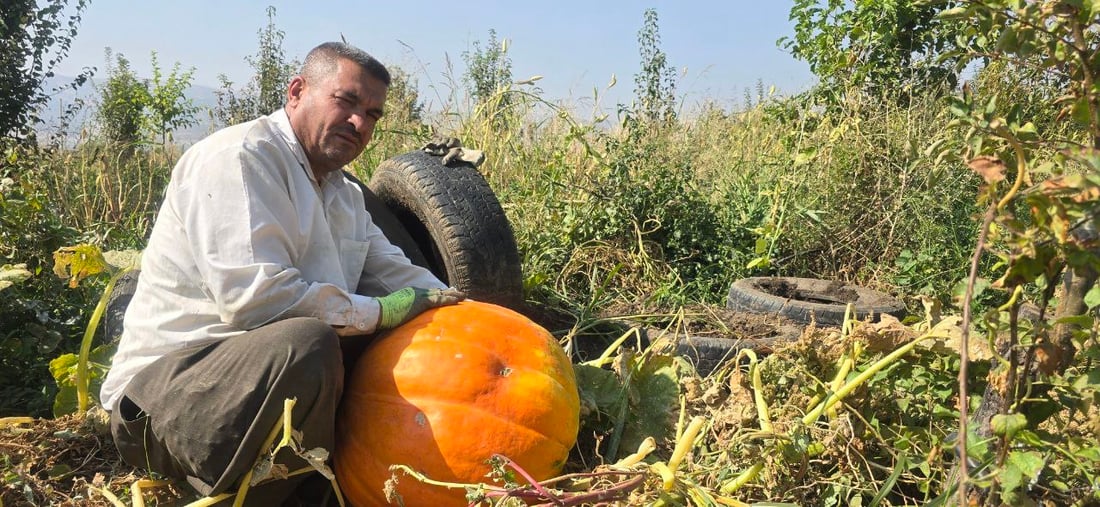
451	149
401	306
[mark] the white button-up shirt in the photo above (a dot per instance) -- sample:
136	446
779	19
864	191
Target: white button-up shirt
246	236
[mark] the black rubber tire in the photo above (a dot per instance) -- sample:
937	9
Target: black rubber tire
806	300
390	225
117	301
708	353
457	222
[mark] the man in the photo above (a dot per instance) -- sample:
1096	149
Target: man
262	257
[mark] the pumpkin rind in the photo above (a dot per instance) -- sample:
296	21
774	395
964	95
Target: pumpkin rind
447	390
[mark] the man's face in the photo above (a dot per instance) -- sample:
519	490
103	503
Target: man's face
334	117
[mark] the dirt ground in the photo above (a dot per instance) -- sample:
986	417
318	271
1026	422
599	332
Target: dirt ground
68	461
71	461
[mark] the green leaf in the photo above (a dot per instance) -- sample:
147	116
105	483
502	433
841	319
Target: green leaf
758	262
654	401
599	388
1084	321
954	13
1089	453
1007	41
1092	298
62	368
805	157
59	470
761	246
1006	425
1019	466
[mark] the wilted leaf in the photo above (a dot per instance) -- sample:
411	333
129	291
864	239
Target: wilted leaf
886	334
11	274
317	458
78	262
529	81
123	259
951	328
991	169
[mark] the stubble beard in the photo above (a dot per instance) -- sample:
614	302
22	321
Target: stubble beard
336	153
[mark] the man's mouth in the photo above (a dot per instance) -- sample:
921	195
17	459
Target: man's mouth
349	137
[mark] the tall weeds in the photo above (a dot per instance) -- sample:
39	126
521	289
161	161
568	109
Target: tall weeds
109	192
645	213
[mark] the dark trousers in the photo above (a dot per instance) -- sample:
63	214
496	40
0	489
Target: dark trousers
202	413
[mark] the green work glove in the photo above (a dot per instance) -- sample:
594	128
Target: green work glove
401	306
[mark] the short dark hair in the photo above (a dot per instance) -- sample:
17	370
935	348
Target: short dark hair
321	61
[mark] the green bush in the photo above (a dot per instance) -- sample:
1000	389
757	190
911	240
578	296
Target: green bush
40	317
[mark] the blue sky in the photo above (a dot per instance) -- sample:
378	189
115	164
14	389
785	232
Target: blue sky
720	47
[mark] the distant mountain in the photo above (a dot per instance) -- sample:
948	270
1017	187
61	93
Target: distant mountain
84	102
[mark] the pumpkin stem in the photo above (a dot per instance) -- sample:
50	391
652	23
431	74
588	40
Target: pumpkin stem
531	480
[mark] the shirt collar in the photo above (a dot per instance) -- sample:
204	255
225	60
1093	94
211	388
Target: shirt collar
282	125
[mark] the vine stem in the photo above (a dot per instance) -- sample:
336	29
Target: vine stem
83	379
964	352
616	491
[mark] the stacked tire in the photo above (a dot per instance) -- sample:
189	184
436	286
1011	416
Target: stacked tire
794	303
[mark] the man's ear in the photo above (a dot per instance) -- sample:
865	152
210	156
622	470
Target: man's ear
294	90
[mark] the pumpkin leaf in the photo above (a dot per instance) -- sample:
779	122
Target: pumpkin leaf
63	369
79	262
654	401
11	274
600	390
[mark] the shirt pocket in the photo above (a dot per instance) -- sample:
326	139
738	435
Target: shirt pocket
353	254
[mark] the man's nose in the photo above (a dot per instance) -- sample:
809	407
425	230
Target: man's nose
359	122
364	126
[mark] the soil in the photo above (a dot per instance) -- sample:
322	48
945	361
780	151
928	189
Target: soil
67	461
834	293
72	461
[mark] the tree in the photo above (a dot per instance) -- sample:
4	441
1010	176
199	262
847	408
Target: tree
879	47
404	109
489	75
266	90
34	36
134	110
1051	179
123	99
168	109
655	84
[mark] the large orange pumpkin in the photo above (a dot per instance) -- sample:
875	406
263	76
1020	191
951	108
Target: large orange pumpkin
447	390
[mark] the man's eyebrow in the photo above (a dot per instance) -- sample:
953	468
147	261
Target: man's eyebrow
378	112
347	94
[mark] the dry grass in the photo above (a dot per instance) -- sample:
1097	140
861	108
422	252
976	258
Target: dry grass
69	461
